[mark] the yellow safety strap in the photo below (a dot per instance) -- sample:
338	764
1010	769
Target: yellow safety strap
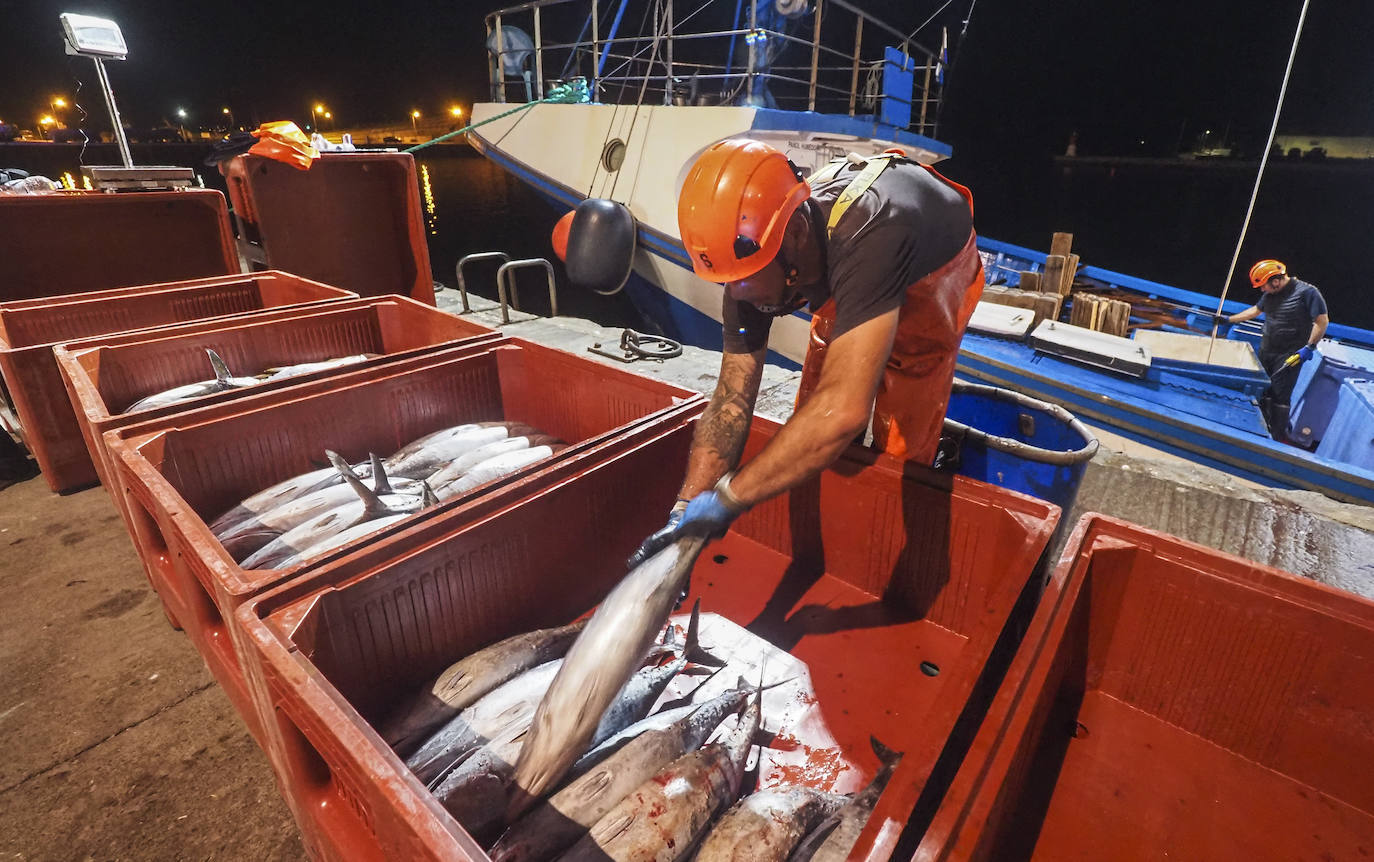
873	167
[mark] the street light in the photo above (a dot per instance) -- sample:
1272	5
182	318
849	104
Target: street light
456	111
57	103
181	114
44	122
414	115
228	113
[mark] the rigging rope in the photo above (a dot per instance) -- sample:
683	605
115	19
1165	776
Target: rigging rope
1264	160
572	91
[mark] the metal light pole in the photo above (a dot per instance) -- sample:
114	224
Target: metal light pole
414	127
230	114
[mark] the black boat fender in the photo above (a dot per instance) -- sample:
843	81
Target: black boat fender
600	246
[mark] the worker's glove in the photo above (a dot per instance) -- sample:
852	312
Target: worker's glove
708	515
1305	353
660	539
1222	322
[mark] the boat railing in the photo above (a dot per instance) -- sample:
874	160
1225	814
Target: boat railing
826	56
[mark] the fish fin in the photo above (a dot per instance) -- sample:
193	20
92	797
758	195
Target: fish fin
686	699
693	651
222	375
379	480
373	507
427	495
885	754
765	738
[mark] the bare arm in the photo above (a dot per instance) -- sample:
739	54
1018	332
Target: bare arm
1248	314
1318	329
828	422
724	427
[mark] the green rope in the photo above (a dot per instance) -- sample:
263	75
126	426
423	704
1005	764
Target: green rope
566	93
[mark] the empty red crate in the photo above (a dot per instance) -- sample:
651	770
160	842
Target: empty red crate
181	472
891	582
85	241
1173	702
103	376
28	331
352	219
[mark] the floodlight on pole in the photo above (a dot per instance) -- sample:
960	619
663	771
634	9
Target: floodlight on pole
100	39
414	127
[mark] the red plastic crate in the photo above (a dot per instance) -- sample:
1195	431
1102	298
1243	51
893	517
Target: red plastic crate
29	330
105	375
181	472
352	219
76	242
1173	702
875	558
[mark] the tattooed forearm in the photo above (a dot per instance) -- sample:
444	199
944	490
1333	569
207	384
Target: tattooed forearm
724	427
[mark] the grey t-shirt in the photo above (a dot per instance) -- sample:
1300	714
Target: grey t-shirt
905	226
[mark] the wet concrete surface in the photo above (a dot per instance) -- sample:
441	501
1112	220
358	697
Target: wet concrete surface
115	741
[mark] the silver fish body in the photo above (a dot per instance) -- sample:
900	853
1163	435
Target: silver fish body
222	382
457	467
470	679
665	817
494	468
284	492
598	665
251	534
425	460
309	535
562	819
509	705
835	837
284	372
766	826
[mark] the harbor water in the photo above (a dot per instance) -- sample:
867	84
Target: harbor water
1168	221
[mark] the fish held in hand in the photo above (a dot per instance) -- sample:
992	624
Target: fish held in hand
597	667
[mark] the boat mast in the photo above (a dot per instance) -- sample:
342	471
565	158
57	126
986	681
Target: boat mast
1264	160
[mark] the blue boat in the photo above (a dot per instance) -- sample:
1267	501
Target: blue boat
859	85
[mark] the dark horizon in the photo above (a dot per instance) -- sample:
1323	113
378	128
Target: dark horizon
1026	76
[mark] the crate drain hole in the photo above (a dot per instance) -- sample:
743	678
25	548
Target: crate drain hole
930	668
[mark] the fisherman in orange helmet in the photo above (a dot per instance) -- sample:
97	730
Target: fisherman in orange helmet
1295	320
883	251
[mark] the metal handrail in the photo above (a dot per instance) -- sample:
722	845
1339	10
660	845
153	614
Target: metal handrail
481	255
506	276
664	71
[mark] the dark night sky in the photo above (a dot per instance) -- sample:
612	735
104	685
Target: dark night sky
1030	71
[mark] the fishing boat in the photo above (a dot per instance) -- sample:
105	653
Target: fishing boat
820	81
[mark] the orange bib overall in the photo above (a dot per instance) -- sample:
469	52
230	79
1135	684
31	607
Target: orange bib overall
910	407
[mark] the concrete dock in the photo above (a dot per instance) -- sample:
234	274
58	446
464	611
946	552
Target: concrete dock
118	744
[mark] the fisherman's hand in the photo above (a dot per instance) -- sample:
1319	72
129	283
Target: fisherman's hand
659	540
710	514
1222	322
1305	353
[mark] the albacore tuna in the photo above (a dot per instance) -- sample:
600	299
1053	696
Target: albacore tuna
223	381
663	819
598	665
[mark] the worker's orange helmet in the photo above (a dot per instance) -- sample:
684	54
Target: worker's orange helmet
1261	272
734	208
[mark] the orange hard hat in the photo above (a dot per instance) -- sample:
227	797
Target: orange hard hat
560	235
1261	272
734	208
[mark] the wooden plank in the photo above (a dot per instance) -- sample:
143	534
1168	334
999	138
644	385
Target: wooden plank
1053	277
1030	280
1070	270
1061	244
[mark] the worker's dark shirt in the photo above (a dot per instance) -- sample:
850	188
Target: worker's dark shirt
1288	318
902	228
